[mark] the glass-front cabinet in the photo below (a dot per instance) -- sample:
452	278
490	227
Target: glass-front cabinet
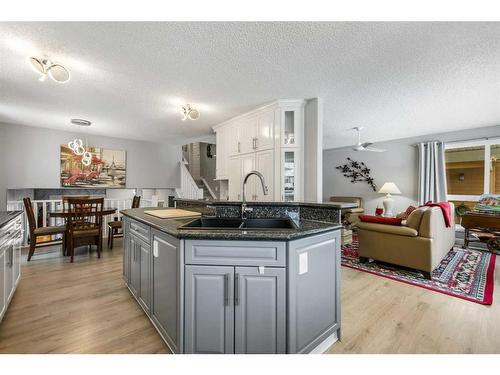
291	151
290	175
291	127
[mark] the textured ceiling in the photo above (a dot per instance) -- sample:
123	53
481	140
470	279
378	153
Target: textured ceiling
395	79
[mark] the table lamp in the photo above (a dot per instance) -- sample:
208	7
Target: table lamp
389	188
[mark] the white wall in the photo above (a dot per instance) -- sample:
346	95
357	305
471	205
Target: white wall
29	158
398	164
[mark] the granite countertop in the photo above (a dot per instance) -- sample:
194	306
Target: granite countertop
6	216
339	205
171	226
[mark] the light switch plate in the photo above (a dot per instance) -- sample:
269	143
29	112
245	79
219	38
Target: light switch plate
303	263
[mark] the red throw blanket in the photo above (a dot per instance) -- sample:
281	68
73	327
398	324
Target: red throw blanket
445	209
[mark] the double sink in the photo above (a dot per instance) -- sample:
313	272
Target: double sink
235	224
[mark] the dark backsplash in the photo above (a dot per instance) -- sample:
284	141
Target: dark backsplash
295	212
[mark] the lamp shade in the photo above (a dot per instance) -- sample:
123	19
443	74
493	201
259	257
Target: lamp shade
389	188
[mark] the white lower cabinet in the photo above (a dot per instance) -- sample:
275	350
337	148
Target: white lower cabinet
262	161
10	261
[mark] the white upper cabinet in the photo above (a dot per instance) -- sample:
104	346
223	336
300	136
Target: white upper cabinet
222	156
264	137
269	140
234	138
248	129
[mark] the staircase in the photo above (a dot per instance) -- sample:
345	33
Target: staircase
206	194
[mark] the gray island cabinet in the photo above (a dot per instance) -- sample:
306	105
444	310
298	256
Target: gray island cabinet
235	295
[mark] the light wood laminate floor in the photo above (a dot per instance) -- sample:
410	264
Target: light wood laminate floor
85	308
385	316
82	307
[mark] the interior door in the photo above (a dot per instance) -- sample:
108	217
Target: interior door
259	300
264	163
209	309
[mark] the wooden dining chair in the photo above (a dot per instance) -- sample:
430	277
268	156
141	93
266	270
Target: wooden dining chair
115	226
84	224
36	232
66	197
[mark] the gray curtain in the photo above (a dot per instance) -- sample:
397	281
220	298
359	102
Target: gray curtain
431	172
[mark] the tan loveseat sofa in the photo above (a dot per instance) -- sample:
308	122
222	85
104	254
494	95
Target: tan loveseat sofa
421	244
350	214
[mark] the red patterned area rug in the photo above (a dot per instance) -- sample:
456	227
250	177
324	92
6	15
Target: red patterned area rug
463	273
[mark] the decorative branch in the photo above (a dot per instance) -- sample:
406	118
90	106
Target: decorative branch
357	172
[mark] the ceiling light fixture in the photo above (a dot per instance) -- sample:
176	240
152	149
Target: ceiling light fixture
45	68
190	113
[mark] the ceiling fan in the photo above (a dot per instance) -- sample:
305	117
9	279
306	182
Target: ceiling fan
366	145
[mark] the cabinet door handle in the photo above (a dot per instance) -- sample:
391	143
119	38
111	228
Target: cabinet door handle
226	289
239	148
255	143
236	289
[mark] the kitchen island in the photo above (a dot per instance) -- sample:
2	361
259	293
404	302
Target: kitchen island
233	289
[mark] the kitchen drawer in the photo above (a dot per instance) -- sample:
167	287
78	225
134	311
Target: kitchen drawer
142	231
236	253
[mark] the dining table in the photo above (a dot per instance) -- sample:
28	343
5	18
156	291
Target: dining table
65	214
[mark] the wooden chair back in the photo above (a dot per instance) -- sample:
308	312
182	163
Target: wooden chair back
136	201
84	213
30	214
66	197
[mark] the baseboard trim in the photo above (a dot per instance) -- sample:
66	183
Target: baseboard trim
325	344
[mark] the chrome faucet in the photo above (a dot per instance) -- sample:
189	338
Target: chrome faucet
244	208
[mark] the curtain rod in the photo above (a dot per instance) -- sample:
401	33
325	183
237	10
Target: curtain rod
459	141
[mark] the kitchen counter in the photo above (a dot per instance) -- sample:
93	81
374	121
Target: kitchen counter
171	226
6	216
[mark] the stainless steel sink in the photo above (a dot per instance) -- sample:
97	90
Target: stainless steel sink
234	224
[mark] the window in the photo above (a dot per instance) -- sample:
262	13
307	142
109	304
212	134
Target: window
472	169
